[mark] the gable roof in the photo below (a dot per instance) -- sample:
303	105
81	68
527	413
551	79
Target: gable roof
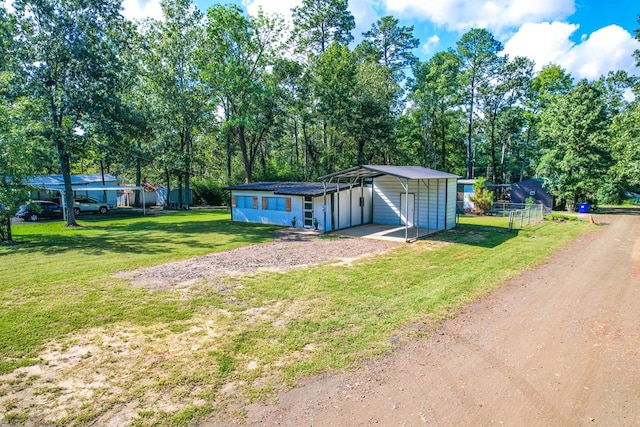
374	171
289	188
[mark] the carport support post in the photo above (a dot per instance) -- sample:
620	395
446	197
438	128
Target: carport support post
324	205
418	209
406	211
337	227
428	184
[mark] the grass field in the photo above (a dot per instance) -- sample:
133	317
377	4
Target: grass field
174	356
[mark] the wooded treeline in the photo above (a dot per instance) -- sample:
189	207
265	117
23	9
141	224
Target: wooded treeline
205	100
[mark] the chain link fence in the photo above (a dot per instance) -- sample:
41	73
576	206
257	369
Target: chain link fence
519	215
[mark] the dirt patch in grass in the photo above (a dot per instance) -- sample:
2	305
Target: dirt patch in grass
167	374
292	248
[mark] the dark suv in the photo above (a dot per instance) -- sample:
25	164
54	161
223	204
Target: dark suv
37	209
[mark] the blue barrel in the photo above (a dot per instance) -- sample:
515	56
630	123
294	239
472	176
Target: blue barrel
584	207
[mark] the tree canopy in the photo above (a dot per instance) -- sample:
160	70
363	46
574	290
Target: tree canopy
197	101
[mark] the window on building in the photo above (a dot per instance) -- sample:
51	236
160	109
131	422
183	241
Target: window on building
276	204
244	202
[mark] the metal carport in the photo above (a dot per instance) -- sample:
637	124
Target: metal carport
406	176
60	189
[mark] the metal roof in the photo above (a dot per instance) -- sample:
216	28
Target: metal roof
374	171
76	179
289	188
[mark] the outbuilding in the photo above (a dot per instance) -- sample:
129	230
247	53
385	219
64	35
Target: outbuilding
297	204
97	186
421	200
532	189
417	199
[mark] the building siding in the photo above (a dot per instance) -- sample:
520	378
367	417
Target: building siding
435	202
346	207
264	216
435	205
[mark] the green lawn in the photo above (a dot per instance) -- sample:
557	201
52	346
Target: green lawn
205	351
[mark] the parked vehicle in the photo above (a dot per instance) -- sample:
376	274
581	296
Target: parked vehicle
37	209
87	204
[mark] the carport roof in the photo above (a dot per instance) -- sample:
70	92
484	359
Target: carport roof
374	171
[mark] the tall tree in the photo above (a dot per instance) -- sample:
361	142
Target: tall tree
498	98
478	50
9	156
171	71
290	88
550	82
626	146
318	23
334	81
576	154
391	44
68	51
373	121
437	97
236	57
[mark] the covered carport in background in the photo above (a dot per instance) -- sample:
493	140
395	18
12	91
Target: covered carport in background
409	199
87	188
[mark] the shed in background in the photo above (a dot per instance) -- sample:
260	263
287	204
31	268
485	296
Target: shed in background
533	188
48	187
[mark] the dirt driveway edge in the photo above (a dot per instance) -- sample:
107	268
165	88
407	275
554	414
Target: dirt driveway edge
555	346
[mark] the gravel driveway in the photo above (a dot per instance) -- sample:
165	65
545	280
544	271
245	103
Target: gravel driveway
291	248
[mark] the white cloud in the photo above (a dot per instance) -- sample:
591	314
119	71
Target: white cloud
543	43
131	9
281	7
141	9
430	45
8	5
607	49
494	15
363	12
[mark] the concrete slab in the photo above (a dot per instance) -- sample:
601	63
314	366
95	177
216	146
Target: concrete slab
385	232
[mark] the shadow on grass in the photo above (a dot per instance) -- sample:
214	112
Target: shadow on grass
476	235
148	237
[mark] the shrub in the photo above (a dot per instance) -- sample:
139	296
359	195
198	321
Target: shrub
209	191
482	197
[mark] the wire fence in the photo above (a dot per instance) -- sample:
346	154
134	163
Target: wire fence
519	215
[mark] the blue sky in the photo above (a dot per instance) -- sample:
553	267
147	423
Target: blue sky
589	38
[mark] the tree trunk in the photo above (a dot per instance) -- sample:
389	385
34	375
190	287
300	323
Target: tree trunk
246	158
167	201
63	157
180	191
137	202
524	153
295	138
492	138
5	226
443	153
187	172
229	150
65	168
469	131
